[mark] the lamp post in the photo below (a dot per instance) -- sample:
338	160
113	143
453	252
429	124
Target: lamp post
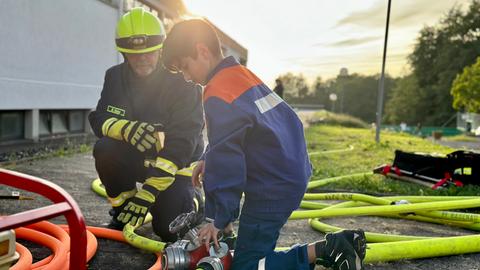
340	79
381	84
333	98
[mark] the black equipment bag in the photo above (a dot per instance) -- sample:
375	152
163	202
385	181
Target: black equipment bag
421	164
463	166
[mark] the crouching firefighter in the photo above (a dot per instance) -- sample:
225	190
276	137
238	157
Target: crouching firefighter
149	124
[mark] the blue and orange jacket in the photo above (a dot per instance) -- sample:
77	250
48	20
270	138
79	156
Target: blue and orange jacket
256	146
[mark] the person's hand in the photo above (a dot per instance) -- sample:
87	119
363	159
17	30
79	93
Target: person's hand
209	233
135	211
197	174
143	136
229	228
228	236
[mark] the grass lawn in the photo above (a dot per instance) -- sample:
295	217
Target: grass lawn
365	156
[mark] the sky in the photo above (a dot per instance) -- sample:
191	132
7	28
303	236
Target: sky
319	37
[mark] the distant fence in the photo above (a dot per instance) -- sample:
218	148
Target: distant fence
424	131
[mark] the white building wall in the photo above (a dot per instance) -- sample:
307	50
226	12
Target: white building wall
227	51
54	53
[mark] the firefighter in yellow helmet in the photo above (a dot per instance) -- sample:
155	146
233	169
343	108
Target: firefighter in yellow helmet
149	128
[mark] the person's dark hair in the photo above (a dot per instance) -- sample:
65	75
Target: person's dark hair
182	40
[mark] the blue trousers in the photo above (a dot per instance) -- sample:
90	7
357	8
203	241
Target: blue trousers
256	241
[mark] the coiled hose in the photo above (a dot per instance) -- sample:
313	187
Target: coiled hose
381	247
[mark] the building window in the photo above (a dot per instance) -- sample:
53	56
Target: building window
12	125
61	122
76	121
45	120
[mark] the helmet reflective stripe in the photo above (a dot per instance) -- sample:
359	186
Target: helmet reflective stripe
139	42
139	31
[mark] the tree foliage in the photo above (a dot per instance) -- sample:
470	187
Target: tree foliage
356	94
440	53
295	87
466	89
321	91
404	103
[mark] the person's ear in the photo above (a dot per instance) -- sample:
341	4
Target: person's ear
203	51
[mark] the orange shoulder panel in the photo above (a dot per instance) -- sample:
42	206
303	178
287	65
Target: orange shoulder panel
230	83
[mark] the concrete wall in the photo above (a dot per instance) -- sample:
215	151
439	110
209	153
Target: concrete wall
54	53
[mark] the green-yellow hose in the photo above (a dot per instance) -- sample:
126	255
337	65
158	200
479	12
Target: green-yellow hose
381	247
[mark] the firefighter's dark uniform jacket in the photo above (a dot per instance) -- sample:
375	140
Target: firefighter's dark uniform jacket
162	97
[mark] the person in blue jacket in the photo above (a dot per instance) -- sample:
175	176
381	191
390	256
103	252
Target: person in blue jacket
257	148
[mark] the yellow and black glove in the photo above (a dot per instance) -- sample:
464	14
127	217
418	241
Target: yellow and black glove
136	209
141	135
161	174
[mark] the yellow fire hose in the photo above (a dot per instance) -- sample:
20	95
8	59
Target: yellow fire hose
98	187
386	207
142	242
381	247
384	247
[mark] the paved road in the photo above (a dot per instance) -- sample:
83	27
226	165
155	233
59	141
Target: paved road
473	146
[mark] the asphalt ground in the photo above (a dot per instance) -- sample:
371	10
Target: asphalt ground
75	173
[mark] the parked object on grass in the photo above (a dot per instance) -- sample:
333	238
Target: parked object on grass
437	134
457	168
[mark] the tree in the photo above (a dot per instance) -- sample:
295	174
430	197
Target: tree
440	53
296	89
466	89
405	103
424	55
357	94
321	92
